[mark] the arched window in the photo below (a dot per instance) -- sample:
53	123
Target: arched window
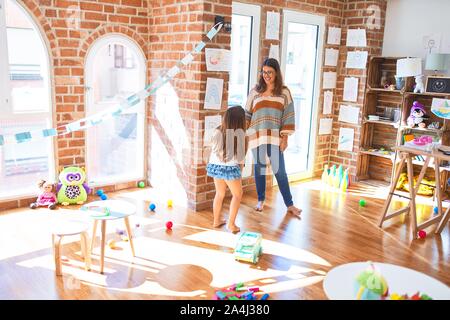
115	69
25	102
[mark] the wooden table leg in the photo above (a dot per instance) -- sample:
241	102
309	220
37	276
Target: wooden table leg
102	249
392	190
57	250
438	186
93	235
130	236
86	251
444	221
412	195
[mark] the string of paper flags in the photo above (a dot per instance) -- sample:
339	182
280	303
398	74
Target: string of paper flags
115	111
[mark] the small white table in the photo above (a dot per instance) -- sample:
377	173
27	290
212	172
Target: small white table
117	209
339	282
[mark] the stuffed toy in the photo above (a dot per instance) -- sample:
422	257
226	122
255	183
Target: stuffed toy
71	188
420	87
417	115
47	197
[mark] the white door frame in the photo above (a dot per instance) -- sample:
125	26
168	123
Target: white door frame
317	20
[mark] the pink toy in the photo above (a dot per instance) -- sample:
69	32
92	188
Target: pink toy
47	197
423	140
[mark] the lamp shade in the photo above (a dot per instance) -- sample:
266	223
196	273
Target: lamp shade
409	67
436	61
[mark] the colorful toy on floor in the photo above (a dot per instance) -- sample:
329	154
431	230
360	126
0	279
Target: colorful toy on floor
169	225
169	203
362	203
99	192
112	244
141	184
416	296
152	207
422	234
371	285
46	198
435	210
104	197
72	189
240	292
337	178
248	247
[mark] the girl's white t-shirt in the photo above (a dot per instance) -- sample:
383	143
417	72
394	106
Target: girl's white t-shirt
216	144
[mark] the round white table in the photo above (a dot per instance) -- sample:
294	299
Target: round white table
339	282
105	210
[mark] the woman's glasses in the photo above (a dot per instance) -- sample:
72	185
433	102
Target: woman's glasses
267	73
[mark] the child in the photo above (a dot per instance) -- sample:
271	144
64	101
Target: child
46	198
226	162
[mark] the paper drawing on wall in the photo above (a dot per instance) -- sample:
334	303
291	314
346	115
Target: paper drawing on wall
346	139
218	59
441	107
273	25
213	97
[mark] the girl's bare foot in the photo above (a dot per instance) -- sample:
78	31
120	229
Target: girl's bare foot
294	210
219	223
259	206
234	228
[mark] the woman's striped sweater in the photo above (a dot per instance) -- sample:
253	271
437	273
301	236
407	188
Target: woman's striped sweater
270	117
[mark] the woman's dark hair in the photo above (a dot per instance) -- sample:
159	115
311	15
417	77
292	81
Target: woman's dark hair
262	86
233	128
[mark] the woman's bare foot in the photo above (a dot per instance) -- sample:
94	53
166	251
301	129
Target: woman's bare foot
294	210
234	228
259	206
219	223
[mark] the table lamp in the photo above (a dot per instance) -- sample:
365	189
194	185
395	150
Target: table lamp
411	67
436	62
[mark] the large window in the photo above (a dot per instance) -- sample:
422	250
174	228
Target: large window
244	48
25	102
115	69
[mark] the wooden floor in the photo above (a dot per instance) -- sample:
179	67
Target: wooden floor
195	260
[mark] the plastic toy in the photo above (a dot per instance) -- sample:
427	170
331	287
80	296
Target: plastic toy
169	225
248	247
46	198
362	203
99	192
137	225
152	207
120	232
371	285
112	244
141	184
265	296
71	189
422	234
435	210
103	196
169	203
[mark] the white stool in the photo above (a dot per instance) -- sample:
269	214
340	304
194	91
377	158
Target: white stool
70	228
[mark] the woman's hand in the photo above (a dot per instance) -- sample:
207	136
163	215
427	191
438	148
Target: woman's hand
283	143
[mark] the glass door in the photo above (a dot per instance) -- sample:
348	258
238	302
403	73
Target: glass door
301	54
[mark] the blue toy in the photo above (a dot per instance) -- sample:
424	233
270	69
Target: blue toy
99	192
435	210
103	196
152	207
265	296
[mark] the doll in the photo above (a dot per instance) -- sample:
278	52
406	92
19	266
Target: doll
47	197
417	115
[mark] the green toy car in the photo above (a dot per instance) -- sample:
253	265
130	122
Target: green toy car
248	247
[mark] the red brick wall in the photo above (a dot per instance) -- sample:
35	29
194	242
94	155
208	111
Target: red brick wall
166	30
356	14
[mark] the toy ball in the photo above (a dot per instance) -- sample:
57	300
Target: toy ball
169	225
99	192
137	225
124	238
422	234
112	244
362	203
120	232
152	207
141	184
169	203
103	196
435	210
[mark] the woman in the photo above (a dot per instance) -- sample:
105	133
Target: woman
271	119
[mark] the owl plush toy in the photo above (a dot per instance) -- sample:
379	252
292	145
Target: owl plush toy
71	188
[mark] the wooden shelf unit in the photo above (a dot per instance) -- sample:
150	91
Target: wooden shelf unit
377	134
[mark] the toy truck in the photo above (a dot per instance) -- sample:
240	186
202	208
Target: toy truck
248	247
